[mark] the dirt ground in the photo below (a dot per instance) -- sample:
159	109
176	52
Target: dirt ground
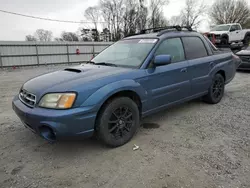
196	146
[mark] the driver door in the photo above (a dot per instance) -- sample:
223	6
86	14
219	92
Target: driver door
170	83
235	33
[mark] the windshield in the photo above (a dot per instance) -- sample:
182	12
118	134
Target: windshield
127	53
221	28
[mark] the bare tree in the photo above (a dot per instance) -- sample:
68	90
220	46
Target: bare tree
156	15
113	11
69	36
176	20
130	17
125	17
106	15
93	14
230	11
86	34
30	38
43	35
57	39
192	13
142	18
247	24
105	35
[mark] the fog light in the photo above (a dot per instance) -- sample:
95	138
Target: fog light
48	134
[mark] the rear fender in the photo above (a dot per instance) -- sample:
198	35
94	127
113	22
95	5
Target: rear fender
247	34
227	66
101	95
245	38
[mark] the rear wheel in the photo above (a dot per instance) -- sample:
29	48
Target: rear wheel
216	90
118	121
246	42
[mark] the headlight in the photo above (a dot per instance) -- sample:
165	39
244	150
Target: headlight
58	100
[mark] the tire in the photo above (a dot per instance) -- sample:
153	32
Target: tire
246	42
224	42
216	90
118	122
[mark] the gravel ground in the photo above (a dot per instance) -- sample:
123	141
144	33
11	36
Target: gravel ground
196	145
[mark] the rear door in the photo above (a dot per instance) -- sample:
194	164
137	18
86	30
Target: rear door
200	64
169	83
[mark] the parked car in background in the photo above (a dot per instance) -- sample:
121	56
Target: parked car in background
245	57
230	35
133	78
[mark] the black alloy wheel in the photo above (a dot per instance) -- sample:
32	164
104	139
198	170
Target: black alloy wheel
118	121
216	90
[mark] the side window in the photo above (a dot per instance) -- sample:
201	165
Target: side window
172	47
238	27
194	47
234	28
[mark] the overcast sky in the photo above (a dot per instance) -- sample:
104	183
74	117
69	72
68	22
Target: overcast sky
16	27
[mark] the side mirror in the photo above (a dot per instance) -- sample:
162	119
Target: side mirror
160	60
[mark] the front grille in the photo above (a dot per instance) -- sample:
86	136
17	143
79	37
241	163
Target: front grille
217	36
27	98
212	36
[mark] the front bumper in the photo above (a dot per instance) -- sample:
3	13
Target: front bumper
77	122
244	66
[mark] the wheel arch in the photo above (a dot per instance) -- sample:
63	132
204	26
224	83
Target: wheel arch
225	36
247	35
246	43
222	72
107	91
124	93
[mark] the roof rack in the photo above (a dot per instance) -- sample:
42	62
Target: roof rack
164	29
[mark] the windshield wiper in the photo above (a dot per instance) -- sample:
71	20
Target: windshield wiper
103	63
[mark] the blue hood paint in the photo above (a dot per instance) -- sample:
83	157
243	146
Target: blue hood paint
90	79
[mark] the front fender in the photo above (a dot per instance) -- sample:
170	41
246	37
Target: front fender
102	94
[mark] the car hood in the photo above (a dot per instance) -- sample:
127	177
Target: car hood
244	53
66	79
218	32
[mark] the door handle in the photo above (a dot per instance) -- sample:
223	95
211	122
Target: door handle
184	70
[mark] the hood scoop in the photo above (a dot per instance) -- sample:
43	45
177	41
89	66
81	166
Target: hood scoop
73	70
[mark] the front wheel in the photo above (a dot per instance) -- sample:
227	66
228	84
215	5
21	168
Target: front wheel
216	90
118	121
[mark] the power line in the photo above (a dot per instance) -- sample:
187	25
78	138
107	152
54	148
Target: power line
47	19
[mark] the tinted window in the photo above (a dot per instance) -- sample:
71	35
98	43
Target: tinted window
238	27
194	47
233	28
172	47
